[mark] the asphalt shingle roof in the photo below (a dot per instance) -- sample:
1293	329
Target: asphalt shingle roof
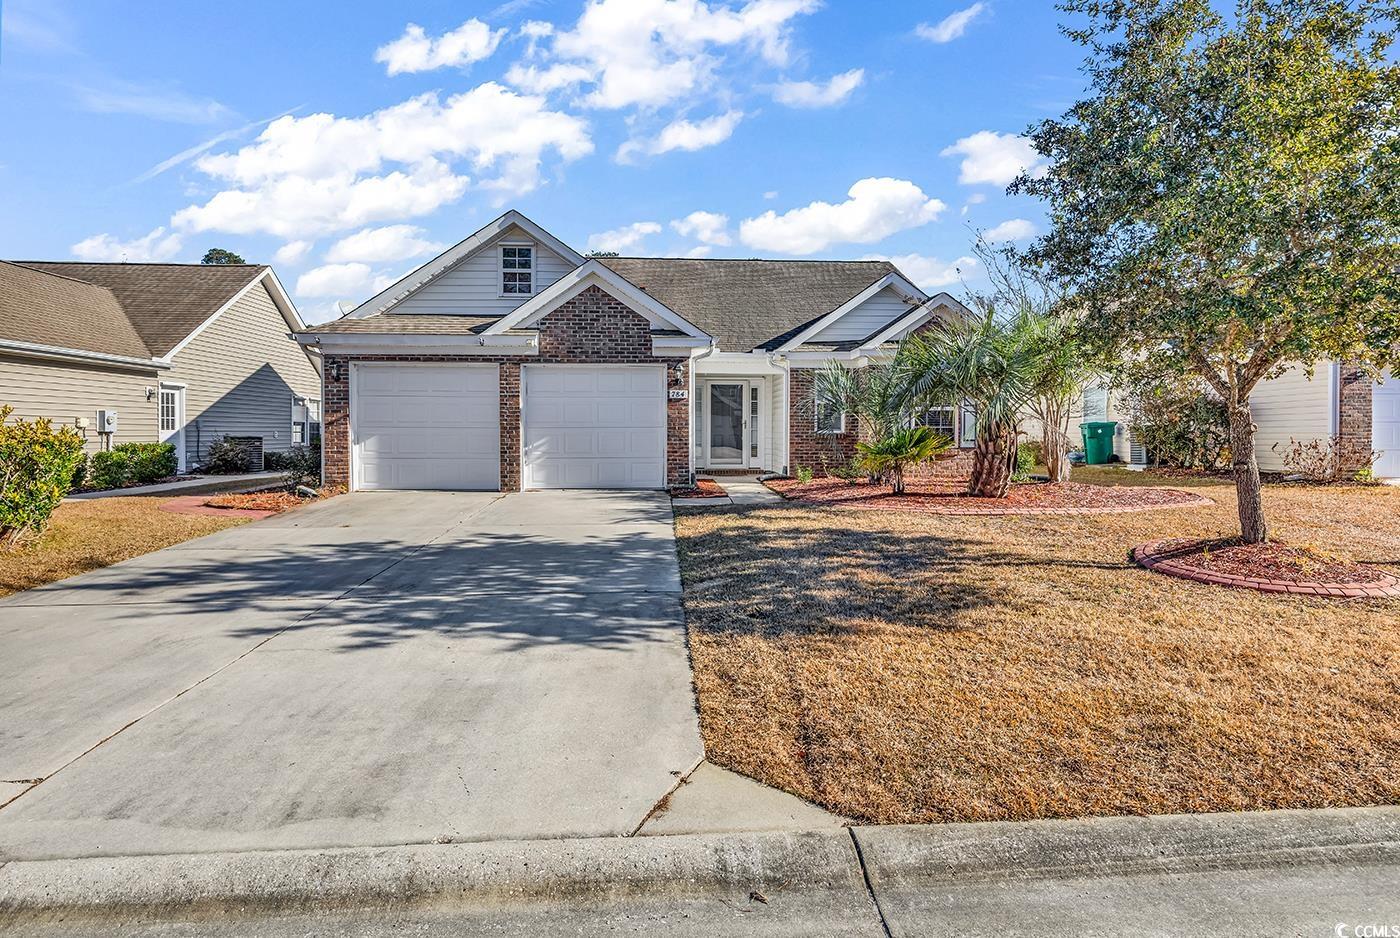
42	308
749	304
163	302
406	323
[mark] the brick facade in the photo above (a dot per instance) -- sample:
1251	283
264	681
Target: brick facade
1354	416
808	449
593	328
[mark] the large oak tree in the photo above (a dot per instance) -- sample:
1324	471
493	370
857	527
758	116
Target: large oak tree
1224	199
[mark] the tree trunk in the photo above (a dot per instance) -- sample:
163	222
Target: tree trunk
1054	441
1248	494
993	461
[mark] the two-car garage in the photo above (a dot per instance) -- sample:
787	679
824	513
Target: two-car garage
438	426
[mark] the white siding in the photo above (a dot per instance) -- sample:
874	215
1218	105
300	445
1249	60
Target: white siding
777	423
473	286
63	391
1290	407
874	314
241	375
1122	438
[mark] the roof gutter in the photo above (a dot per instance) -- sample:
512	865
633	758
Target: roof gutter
72	354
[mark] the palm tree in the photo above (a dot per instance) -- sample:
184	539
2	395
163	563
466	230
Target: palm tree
870	394
889	456
994	364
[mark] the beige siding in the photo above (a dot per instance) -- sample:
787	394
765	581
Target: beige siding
876	313
64	391
473	286
241	375
1122	437
1290	407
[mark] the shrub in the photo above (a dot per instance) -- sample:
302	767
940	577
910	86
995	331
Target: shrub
275	461
111	469
303	466
1180	421
1328	460
80	472
149	462
804	474
1026	460
37	463
891	455
228	457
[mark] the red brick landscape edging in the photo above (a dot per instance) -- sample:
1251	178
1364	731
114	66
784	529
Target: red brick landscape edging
1190	500
1148	556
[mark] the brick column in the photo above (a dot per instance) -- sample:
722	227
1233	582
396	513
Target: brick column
510	426
335	423
1354	416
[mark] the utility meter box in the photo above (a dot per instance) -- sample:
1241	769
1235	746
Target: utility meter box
106	421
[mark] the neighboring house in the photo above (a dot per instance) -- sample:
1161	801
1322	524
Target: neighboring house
1337	401
511	361
187	353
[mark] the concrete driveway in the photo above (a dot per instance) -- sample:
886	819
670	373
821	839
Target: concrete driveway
377	669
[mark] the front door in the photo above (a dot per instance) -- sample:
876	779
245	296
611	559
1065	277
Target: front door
728	425
172	420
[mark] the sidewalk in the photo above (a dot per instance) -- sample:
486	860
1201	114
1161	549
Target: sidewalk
200	485
1264	873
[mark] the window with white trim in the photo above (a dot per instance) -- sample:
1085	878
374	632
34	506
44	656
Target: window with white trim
517	269
299	421
831	418
968	437
940	420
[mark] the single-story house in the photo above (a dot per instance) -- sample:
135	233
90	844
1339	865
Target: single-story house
186	353
512	361
1336	402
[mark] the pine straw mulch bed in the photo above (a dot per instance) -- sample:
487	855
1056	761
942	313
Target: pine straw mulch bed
85	535
1272	567
907	667
703	488
257	501
949	498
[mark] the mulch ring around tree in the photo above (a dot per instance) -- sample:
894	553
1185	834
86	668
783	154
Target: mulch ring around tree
950	498
1270	568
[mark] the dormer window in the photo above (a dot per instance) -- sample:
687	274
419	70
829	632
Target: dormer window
517	269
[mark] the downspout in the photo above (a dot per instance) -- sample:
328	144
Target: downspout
1334	395
690	390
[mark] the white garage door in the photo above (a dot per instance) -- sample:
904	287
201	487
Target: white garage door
595	427
426	426
1385	426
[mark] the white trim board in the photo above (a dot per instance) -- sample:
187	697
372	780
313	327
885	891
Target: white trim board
420	277
892	279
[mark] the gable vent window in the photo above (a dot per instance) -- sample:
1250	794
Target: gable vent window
517	269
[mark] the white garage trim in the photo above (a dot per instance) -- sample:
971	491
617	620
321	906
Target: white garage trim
593	426
1385	425
438	424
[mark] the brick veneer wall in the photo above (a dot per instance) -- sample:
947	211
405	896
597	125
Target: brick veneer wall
593	328
1354	417
808	449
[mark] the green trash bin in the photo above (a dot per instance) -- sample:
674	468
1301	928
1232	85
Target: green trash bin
1098	440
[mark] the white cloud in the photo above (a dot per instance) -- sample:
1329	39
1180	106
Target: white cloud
684	135
314	175
976	198
770	195
415	51
625	239
383	245
652	52
154	247
950	27
812	94
1016	229
157	103
293	252
706	227
929	273
875	209
341	281
995	158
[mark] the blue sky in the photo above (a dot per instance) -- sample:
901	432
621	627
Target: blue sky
347	142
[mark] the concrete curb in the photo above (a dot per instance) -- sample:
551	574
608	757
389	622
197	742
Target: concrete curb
816	872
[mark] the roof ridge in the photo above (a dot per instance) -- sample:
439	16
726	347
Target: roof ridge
744	260
49	273
135	264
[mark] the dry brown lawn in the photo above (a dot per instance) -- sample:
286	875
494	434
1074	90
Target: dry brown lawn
919	668
85	535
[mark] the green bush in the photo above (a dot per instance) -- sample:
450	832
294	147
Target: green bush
80	472
274	461
805	474
111	469
889	457
1027	458
37	463
1181	422
228	457
302	465
149	462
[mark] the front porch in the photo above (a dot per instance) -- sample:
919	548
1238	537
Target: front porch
740	423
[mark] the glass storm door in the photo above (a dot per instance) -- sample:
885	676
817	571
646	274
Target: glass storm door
728	425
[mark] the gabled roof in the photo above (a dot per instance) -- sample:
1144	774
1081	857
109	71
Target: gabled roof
164	303
750	304
410	283
405	324
39	308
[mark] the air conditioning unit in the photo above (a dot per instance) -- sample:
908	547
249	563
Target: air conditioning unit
106	421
